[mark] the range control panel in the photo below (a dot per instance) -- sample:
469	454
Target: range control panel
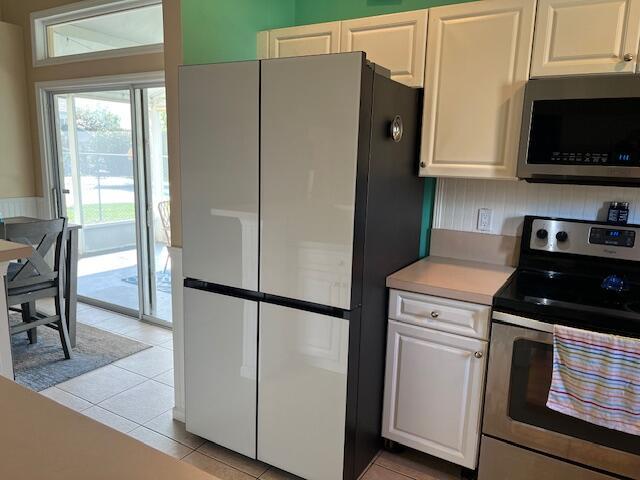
612	236
585	238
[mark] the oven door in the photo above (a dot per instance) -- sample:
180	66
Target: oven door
518	381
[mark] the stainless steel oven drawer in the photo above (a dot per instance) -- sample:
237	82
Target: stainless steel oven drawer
501	461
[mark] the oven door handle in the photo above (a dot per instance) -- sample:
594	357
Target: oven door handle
523	322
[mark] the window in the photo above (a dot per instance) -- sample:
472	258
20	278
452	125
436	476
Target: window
93	29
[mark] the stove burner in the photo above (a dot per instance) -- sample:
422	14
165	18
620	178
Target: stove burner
615	284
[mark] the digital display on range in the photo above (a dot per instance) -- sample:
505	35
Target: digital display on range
612	236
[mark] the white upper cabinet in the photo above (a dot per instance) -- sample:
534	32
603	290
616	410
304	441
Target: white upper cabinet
305	40
397	42
586	36
478	57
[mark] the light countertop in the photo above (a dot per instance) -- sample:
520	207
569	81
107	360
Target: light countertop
451	278
12	251
40	439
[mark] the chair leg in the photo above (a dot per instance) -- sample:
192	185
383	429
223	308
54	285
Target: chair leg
62	328
64	338
166	262
28	310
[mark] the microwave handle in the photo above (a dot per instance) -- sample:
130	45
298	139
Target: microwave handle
523	322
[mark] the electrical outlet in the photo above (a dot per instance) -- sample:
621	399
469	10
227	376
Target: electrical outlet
484	219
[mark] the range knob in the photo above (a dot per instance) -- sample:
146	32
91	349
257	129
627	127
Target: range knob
542	234
562	236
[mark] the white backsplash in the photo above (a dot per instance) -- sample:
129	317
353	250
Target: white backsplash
458	200
20	207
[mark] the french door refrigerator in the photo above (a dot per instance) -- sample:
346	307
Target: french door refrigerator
300	195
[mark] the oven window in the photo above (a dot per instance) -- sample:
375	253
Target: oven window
531	370
602	131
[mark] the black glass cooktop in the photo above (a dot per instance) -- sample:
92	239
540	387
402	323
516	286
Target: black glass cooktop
596	302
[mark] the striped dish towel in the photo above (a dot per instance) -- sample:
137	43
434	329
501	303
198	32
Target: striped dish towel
596	377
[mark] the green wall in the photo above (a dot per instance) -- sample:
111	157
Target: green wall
316	11
225	30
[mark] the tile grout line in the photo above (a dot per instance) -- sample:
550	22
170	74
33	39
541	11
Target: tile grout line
394	471
227	464
110	396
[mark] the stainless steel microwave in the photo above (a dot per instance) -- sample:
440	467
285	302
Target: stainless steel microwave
581	130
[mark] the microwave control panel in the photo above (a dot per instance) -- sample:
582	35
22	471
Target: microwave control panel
623	159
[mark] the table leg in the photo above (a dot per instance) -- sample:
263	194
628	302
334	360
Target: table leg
71	285
6	361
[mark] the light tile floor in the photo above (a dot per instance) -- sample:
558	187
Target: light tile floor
135	396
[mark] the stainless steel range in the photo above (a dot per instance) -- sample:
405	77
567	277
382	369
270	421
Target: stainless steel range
576	273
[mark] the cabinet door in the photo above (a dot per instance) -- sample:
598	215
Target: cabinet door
433	392
305	40
477	65
302	392
396	42
585	36
221	343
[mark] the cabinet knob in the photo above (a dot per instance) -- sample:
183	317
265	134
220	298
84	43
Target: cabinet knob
627	57
478	354
435	314
422	164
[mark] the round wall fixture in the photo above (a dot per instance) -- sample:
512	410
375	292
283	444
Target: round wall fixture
397	129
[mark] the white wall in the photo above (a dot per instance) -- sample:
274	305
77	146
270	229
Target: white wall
458	200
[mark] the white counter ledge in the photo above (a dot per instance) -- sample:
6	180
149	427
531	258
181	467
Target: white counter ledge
41	439
463	280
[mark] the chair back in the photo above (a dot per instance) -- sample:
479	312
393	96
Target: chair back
164	209
43	236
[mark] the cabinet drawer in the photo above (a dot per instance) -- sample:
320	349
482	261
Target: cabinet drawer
462	318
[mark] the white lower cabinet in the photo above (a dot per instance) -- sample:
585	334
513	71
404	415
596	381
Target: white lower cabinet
433	392
220	369
302	392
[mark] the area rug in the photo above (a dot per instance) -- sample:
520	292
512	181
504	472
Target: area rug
43	365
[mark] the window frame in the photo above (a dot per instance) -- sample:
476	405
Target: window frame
77	11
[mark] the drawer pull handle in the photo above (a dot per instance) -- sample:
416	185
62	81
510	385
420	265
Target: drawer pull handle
478	354
435	314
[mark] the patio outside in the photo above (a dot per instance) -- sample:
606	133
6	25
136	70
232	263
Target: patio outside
95	143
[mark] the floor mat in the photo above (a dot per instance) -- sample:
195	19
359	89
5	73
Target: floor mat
43	365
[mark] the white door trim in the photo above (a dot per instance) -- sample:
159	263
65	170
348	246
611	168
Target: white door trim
42	91
178	333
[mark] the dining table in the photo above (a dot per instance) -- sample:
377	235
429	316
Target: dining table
70	274
9	251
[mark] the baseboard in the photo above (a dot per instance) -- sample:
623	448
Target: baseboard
178	414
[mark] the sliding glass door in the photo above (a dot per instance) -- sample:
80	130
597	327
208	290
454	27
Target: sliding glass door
156	174
112	179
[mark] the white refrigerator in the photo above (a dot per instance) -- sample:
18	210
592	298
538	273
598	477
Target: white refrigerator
299	195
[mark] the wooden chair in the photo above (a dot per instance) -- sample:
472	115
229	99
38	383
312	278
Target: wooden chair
34	279
164	209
